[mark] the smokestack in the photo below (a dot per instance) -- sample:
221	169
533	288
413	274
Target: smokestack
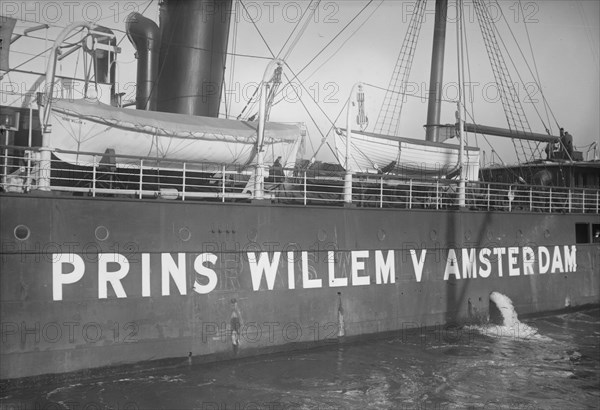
145	37
194	35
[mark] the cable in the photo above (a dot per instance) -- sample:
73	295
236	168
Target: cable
41	53
300	33
403	93
331	41
257	29
528	67
338	49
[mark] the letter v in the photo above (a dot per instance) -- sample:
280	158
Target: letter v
418	263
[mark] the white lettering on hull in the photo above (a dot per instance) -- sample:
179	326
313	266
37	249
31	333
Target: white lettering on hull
267	270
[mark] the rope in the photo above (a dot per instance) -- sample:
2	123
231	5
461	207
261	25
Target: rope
302	30
338	49
388	120
40	53
513	110
528	67
330	42
295	75
345	41
537	73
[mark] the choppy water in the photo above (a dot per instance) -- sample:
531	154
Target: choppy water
546	362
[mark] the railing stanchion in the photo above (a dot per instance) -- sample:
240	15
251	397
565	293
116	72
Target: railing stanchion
488	196
410	186
550	201
94	176
530	199
29	152
28	174
437	195
381	192
223	184
569	199
304	187
183	183
141	177
583	201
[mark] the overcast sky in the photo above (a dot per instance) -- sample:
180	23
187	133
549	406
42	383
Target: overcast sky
564	36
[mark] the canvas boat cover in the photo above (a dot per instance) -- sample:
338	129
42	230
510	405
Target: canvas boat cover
409	157
88	126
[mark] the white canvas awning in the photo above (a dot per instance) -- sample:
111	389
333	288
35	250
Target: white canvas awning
89	126
406	156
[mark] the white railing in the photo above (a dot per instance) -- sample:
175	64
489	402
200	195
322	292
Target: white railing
178	180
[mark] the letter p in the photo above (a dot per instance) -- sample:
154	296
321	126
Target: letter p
60	277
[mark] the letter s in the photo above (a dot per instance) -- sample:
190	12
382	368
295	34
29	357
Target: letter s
203	270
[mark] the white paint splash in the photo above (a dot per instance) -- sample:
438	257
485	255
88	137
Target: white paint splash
511	326
506	308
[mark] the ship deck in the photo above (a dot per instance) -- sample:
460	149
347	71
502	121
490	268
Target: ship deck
118	176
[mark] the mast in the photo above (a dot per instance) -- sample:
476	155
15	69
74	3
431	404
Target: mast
437	71
461	81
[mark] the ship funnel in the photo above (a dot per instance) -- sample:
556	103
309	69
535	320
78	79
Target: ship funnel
145	37
194	37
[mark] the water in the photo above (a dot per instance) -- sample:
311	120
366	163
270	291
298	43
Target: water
550	362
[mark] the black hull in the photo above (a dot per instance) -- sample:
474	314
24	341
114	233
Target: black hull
168	305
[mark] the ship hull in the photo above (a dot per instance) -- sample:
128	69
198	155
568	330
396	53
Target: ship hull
92	282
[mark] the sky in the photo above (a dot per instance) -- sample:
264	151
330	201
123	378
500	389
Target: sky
564	38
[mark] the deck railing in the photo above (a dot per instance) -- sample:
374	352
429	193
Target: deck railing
185	181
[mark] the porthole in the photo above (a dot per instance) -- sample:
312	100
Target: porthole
101	233
22	232
185	234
